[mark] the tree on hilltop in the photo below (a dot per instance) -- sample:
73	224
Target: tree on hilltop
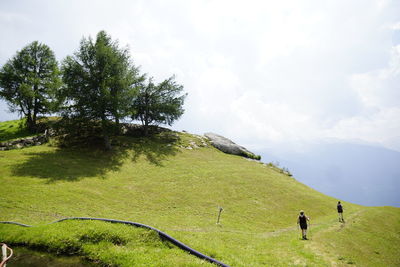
29	82
101	82
155	104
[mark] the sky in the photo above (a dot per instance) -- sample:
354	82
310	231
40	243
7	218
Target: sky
263	73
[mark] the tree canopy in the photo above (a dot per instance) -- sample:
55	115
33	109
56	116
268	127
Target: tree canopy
162	103
29	82
100	82
100	86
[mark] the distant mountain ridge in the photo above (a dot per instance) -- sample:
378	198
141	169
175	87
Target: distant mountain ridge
358	173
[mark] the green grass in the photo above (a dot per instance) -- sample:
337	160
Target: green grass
107	243
370	237
157	182
10	130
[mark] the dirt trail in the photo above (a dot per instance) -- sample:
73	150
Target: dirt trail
335	226
260	234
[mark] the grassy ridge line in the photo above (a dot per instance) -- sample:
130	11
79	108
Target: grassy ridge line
16	129
194	182
156	182
10	130
157	197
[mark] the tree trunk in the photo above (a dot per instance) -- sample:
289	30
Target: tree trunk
106	138
29	122
146	128
35	112
117	126
107	143
35	108
34	121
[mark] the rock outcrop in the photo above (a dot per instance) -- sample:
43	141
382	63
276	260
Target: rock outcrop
24	142
229	147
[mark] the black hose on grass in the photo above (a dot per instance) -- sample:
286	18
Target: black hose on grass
20	224
160	233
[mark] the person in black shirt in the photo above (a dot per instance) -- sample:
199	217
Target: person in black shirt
302	222
340	211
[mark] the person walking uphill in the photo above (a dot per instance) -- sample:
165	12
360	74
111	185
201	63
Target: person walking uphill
340	211
302	222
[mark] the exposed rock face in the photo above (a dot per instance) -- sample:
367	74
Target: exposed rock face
229	147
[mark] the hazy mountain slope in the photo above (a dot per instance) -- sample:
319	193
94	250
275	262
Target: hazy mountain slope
358	173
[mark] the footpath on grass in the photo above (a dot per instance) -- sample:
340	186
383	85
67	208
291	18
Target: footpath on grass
331	227
370	236
331	243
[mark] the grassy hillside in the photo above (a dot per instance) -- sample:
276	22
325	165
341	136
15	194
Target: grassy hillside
159	182
103	243
12	129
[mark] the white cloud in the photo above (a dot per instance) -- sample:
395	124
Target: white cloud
256	71
380	88
272	121
12	18
395	26
379	92
382	127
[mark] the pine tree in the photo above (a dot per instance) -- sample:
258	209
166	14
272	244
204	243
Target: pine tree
29	82
101	82
155	104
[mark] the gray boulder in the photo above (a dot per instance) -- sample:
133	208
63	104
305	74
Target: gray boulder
24	142
229	147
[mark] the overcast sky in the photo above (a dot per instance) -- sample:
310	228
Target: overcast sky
258	72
